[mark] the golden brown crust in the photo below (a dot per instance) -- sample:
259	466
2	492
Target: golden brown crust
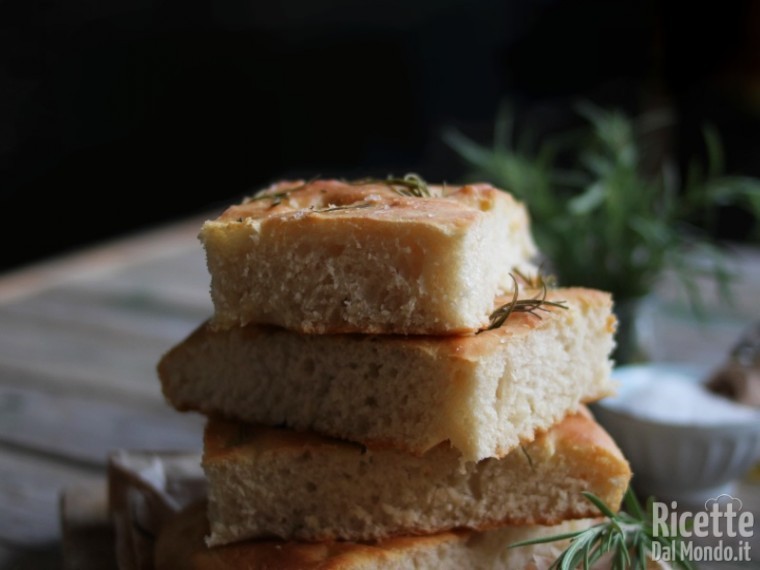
576	454
577	299
560	353
450	204
181	546
224	440
360	257
465	346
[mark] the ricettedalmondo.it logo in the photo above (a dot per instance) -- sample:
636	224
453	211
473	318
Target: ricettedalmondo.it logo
719	533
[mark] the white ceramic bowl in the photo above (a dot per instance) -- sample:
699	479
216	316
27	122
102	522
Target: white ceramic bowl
677	458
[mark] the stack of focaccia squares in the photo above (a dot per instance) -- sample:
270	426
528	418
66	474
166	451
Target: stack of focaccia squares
384	389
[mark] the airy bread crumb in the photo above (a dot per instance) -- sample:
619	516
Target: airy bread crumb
483	393
330	256
275	482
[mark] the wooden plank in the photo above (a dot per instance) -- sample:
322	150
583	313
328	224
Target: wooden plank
27	378
93	353
89	264
96	339
139	314
29	495
181	277
81	428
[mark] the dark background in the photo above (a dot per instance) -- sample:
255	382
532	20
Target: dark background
120	114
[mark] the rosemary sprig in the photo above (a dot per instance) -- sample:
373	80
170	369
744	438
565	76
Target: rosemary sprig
531	306
537	281
626	536
411	185
357	206
528	457
278	197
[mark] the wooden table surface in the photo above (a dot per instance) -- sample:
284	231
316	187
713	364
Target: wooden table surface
79	341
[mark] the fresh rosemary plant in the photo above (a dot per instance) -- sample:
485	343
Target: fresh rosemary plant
610	221
531	306
626	537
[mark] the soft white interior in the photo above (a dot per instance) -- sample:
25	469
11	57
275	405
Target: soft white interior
407	392
378	275
343	491
534	380
351	386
